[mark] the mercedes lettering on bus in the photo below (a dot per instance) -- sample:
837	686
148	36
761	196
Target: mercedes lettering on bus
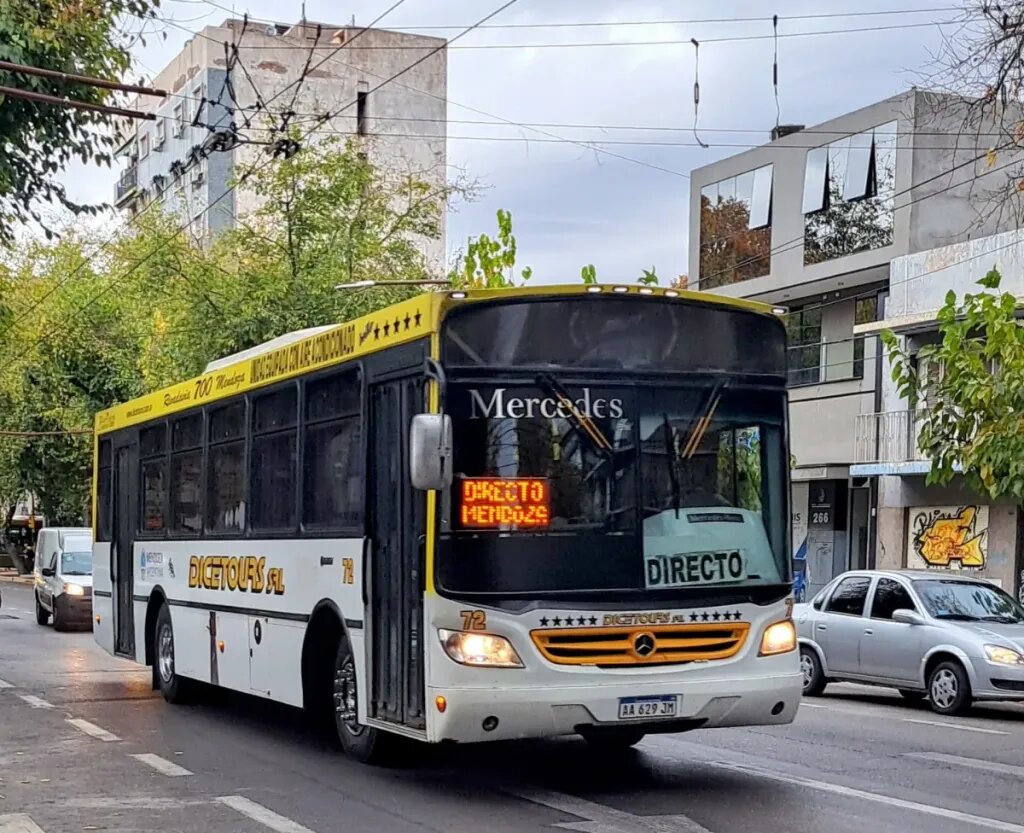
469	516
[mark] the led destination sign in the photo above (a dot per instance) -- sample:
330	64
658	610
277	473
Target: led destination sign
504	502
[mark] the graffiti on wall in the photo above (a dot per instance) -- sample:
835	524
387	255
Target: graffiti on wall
951	537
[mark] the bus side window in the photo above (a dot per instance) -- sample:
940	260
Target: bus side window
153	471
274	460
187	474
103	491
332	477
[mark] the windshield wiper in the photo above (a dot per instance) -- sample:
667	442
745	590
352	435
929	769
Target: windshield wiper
583	423
670	458
1005	619
700	425
958	617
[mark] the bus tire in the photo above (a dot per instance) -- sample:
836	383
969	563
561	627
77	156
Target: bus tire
175	689
42	617
361	743
613	739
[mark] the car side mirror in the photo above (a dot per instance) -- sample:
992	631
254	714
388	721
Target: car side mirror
907	617
430	451
49	571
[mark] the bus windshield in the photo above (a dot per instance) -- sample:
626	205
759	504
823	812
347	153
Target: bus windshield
565	488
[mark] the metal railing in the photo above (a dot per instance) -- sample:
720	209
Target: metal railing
126	184
888	437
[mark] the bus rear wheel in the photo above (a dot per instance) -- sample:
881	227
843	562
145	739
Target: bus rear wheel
175	689
360	742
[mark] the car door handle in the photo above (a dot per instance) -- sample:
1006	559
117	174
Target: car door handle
868	631
822	627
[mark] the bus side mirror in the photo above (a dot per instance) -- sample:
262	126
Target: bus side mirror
430	451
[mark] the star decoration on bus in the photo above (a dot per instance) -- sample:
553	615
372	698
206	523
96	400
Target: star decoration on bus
694	617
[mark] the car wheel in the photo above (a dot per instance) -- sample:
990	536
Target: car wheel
42	617
612	739
949	689
813	675
175	689
912	695
360	742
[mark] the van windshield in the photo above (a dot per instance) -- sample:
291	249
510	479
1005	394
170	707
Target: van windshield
77	563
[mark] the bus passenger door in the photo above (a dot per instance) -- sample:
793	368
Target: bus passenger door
397	522
122	560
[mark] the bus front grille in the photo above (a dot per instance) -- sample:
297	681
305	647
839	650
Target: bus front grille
657	645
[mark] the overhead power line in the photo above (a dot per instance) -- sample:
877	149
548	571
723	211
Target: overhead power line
43	98
85	80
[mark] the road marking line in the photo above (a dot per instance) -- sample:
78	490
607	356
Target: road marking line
266	817
4	684
19	823
93	730
892	801
972	763
945	724
603	819
36	702
161	765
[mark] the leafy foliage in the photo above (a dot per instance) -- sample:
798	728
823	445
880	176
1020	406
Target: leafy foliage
85	37
489	263
972	417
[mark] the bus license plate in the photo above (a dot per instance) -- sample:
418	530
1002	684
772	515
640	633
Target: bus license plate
633	708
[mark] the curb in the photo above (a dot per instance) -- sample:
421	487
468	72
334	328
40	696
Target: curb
14	578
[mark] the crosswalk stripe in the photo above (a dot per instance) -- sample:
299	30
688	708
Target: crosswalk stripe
266	817
93	730
162	765
19	823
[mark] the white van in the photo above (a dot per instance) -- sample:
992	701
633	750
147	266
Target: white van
63	576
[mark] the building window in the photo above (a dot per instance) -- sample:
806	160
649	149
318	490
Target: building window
199	172
161	133
361	118
143	145
803	327
179	119
849	187
865	311
275	460
735	228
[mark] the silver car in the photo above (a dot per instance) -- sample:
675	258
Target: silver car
945	636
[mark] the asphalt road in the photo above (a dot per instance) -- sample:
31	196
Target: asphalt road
86	745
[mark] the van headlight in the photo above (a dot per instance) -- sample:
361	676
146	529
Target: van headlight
778	638
74	589
481	649
1003	656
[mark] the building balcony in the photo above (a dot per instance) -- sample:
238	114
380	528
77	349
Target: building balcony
886	443
126	186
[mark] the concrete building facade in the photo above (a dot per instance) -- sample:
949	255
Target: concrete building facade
986	536
402	125
812	221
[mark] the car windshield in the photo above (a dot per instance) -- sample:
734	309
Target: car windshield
76	563
968	601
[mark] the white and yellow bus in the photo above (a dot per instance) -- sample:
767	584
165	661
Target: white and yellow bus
469	516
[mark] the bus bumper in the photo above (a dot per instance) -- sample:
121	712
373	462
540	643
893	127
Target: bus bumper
549	711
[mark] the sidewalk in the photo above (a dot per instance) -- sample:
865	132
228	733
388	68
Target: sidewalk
11	575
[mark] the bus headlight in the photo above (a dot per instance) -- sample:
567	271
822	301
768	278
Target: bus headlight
483	649
778	638
74	589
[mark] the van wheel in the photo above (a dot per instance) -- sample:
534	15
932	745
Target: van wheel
42	617
949	689
175	689
362	743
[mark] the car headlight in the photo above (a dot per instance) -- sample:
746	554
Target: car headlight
74	589
1003	656
485	649
778	638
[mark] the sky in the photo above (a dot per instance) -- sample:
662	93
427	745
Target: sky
572	205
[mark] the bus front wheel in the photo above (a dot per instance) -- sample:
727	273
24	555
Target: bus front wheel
172	687
360	742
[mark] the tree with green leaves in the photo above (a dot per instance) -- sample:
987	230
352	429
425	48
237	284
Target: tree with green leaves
84	37
972	413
